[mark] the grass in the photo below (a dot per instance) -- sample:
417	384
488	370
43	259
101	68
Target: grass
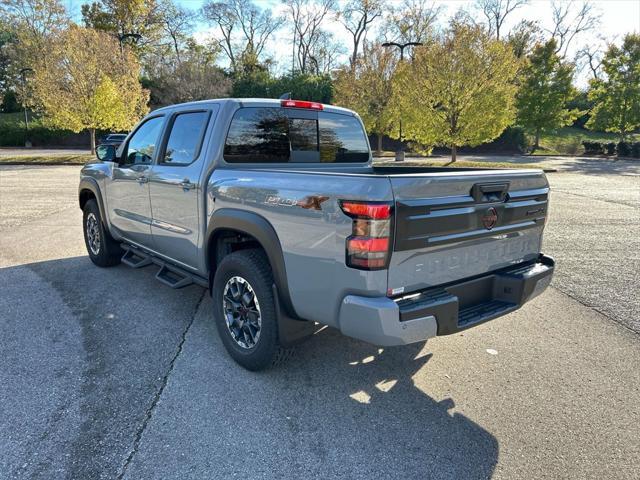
568	141
65	159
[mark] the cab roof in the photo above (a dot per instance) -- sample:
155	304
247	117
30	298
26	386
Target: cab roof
252	102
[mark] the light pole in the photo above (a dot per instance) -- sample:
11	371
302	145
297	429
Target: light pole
401	46
23	75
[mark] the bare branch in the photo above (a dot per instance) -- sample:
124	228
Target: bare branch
496	11
357	16
567	25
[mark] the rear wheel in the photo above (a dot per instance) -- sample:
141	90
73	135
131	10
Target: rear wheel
103	250
244	310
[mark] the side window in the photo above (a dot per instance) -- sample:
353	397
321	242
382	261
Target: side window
185	139
258	135
143	142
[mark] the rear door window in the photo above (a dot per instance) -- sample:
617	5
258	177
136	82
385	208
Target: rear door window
185	140
276	135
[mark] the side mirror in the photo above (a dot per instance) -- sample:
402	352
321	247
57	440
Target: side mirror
106	153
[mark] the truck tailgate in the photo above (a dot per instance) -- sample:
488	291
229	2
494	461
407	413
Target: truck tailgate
455	225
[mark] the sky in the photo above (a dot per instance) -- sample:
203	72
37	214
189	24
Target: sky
617	18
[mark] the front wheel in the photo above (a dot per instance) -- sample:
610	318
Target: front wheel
103	250
244	310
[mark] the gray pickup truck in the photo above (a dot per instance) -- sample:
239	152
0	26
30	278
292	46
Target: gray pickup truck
276	208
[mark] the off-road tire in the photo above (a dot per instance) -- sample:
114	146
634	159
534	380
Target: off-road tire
107	252
252	266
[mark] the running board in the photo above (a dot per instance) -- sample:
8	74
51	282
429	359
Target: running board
136	258
173	278
169	274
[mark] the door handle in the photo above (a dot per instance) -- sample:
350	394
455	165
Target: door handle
187	185
143	179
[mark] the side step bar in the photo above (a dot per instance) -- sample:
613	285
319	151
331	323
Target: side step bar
169	274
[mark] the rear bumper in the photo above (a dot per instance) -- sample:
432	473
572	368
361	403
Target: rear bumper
444	310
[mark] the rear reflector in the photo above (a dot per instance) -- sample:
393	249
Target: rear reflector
368	248
301	104
363	245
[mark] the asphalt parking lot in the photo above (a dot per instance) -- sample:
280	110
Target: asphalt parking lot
106	373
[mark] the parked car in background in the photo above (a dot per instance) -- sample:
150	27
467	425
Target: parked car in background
276	208
113	139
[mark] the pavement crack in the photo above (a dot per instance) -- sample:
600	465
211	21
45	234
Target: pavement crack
156	398
595	308
615	202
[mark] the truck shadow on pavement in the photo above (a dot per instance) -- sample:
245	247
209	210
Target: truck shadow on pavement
140	384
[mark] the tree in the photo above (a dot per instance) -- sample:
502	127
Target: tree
245	30
524	37
137	23
303	86
368	89
82	85
617	96
177	24
545	91
568	25
459	90
308	37
195	77
35	23
412	21
357	16
496	11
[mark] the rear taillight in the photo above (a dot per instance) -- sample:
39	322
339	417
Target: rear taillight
369	246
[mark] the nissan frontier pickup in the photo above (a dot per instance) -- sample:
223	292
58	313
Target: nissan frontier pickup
276	207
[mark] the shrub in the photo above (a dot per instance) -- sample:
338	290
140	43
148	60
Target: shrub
611	148
635	150
593	148
624	149
13	135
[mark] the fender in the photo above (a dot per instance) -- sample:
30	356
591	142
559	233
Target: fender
260	229
89	183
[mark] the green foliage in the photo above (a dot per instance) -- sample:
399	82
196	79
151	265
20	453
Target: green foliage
12	131
458	90
10	102
192	76
84	86
617	98
635	150
121	17
367	88
582	104
261	84
545	91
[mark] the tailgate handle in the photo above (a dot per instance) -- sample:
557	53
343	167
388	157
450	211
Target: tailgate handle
490	192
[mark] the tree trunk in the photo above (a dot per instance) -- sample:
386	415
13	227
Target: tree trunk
92	135
537	141
379	143
454	153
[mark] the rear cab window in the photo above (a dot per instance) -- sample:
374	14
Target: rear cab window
278	135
